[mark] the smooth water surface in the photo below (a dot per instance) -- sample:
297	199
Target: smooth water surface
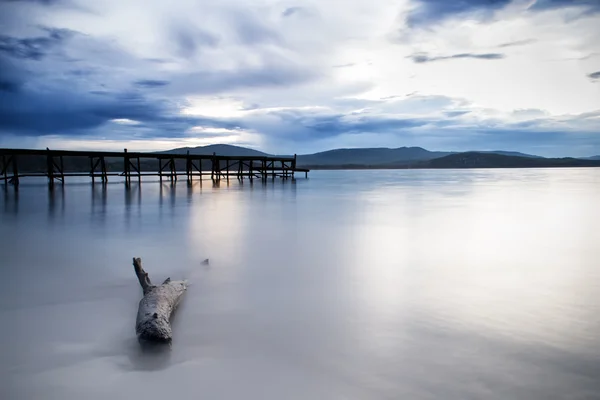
407	284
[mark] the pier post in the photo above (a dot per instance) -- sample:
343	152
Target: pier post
62	171
173	170
294	166
139	168
92	169
127	168
160	169
188	167
15	178
212	172
103	168
5	169
50	168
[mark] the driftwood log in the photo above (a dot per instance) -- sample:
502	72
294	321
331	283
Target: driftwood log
153	323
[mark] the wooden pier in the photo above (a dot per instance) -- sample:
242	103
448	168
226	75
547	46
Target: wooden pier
60	164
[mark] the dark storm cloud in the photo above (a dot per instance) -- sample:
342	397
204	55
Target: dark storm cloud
150	83
432	11
64	110
306	127
53	96
425	58
9	86
589	5
34	48
594	75
44	2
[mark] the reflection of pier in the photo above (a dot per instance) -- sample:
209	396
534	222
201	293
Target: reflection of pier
58	164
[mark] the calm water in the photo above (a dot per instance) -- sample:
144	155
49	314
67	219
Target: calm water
481	284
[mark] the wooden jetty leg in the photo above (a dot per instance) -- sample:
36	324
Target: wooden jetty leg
139	169
62	171
92	169
50	168
160	169
173	170
264	170
5	161
153	322
127	168
294	166
15	178
214	166
188	167
103	168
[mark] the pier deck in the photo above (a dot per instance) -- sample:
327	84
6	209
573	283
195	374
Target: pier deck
60	164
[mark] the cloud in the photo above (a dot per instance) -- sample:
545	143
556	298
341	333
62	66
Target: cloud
432	11
34	48
344	65
44	2
453	114
189	39
594	75
588	5
517	43
8	86
150	83
424	58
290	11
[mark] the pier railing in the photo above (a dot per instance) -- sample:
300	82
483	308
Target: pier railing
59	164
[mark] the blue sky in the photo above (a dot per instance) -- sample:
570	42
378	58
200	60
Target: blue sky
302	76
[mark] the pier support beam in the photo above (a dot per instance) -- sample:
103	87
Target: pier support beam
55	171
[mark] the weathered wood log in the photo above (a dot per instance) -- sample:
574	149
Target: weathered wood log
153	322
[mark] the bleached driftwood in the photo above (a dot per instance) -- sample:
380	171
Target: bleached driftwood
154	312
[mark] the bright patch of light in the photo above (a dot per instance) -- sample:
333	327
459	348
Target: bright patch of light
124	121
207	129
216	107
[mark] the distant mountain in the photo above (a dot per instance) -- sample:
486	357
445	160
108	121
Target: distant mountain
590	158
368	156
219	149
491	160
510	153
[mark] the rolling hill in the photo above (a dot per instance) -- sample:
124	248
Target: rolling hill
220	149
368	156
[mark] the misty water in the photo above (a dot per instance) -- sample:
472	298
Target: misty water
407	284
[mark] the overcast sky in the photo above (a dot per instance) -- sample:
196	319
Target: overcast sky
302	76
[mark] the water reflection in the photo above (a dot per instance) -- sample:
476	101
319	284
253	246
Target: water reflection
371	284
11	199
56	201
98	201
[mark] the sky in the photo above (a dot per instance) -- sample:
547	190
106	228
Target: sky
301	76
